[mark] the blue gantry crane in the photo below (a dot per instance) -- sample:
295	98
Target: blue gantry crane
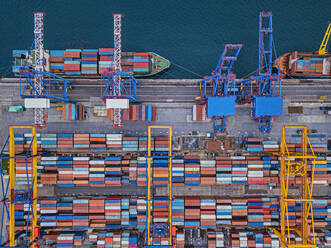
118	87
221	102
37	86
263	91
53	86
127	86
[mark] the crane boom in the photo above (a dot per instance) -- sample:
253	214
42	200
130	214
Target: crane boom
325	41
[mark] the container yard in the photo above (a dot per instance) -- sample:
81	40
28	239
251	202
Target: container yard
92	157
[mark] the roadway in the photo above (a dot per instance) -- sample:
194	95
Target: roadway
173	99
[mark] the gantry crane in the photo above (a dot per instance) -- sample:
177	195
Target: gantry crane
221	103
37	85
39	113
324	44
295	163
154	230
23	194
117	63
117	87
264	89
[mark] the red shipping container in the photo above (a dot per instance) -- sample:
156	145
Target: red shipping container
106	49
141	64
72	67
90	59
134	112
105	70
126	115
70	112
106	58
140	54
89	52
56	59
143	108
72	54
110	114
153	113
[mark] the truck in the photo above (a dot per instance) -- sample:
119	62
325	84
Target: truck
16	109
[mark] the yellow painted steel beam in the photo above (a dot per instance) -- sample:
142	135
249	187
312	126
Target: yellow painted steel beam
324	43
288	168
149	161
11	187
34	180
12	170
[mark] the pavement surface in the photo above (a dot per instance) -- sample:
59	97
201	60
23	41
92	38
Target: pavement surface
173	100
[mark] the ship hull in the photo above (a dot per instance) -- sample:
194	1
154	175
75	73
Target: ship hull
90	63
305	65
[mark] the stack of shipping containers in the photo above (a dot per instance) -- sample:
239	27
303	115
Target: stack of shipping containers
118	220
72	62
89	62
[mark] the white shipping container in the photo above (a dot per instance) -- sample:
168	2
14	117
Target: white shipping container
29	135
80	172
225	207
112	207
255	173
239	178
65	172
239	169
238	158
207	162
48	211
271	146
49	158
50	223
225	217
158	220
208	216
114	135
81	158
255	166
37	103
97	162
192	169
117	103
22	175
114	142
194	112
181	161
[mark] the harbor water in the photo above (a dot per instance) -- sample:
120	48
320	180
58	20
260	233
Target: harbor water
190	33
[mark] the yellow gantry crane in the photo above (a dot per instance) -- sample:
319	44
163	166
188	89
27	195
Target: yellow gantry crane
324	44
295	164
149	181
31	189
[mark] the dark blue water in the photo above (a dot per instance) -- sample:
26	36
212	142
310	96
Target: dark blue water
190	33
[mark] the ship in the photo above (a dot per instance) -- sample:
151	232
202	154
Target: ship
307	65
90	63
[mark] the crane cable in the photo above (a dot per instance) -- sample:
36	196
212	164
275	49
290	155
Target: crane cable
188	70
